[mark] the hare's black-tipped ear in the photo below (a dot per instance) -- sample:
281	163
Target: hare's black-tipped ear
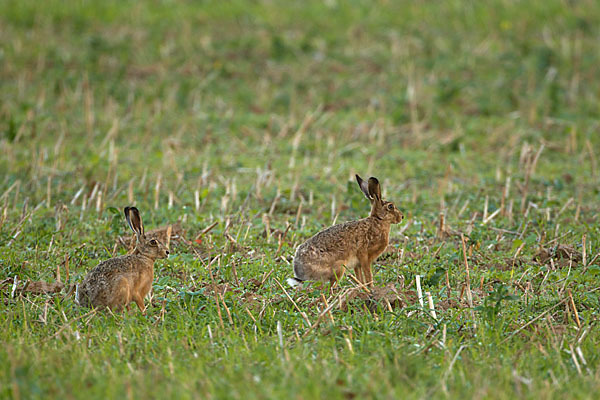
132	215
364	187
374	188
128	217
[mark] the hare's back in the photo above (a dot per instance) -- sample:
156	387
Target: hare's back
101	281
110	270
114	266
347	233
338	242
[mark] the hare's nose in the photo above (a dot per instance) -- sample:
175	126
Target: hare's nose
167	252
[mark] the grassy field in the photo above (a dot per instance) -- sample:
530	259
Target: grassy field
480	119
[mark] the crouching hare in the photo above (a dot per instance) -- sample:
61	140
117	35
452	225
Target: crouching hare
116	282
354	244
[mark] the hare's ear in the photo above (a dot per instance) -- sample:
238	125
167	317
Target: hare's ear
374	188
128	217
364	187
132	215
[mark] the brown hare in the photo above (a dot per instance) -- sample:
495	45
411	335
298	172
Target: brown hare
353	244
116	282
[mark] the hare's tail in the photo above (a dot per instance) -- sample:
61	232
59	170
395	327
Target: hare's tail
294	282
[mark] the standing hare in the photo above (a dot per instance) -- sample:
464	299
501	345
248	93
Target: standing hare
353	244
116	282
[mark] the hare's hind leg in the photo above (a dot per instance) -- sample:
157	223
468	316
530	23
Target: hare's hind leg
139	300
358	273
367	273
336	273
121	295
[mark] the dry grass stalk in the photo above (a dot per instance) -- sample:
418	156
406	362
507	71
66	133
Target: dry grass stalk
326	306
235	274
324	312
485	207
573	308
419	291
492	216
168	241
583	361
333	210
565	206
267	223
274	203
463	208
4	215
574	357
505	195
210	335
130	191
529	171
298	213
266	276
583	251
49	192
468	276
590	149
230	238
302	313
99	201
535	319
212	279
251	316
206	230
517	255
590	263
431	307
441	227
281	239
17	183
448	288
68	324
412	102
226	308
447	373
157	191
361	285
89	106
280	334
197	200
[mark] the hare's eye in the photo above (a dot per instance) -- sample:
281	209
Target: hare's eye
390	207
153	242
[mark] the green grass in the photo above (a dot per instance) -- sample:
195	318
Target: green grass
259	108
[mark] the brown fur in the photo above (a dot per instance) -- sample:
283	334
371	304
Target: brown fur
354	244
116	282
